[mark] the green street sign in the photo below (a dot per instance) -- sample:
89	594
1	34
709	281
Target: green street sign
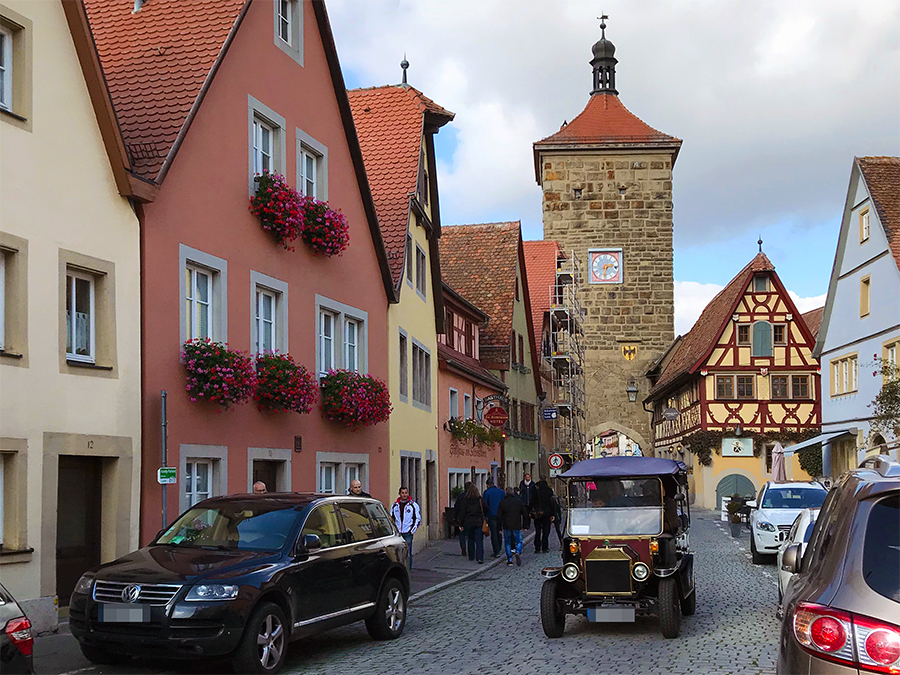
166	475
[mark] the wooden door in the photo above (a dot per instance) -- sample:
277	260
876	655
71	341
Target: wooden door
77	521
267	472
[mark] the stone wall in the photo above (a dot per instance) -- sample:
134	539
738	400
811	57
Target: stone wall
638	312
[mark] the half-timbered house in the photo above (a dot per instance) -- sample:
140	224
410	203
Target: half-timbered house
742	379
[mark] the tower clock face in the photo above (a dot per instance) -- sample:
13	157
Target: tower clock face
605	266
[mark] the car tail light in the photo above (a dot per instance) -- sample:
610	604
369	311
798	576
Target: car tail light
849	639
19	633
878	645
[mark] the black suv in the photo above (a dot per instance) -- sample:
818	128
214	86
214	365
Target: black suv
241	576
842	604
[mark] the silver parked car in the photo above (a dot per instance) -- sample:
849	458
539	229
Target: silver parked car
842	607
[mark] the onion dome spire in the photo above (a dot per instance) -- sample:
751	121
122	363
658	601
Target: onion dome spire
604	62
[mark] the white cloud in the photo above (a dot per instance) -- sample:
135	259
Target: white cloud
692	297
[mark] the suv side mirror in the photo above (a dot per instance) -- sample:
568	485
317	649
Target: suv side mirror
751	504
790	559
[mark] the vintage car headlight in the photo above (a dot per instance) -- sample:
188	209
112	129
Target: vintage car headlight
84	584
204	592
765	525
640	571
570	571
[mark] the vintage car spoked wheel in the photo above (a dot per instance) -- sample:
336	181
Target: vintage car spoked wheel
669	608
390	615
264	646
553	617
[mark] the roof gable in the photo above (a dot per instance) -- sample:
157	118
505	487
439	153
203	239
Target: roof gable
700	340
541	263
390	124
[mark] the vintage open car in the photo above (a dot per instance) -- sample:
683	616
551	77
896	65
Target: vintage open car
627	550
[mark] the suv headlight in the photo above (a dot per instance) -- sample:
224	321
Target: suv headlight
765	525
206	592
84	584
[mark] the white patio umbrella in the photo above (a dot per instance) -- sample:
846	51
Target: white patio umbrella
779	475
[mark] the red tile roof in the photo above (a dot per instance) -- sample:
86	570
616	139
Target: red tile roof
882	176
479	263
813	319
540	262
606	121
156	62
703	335
390	121
471	366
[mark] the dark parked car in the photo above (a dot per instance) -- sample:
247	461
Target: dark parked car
241	576
626	552
842	605
16	640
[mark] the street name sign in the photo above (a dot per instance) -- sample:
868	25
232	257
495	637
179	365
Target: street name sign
551	413
166	475
496	416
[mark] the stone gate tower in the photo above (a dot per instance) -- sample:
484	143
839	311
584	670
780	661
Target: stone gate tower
607	183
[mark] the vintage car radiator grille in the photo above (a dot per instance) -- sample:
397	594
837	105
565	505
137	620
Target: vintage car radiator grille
607	571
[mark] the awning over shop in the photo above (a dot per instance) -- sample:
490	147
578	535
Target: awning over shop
826	437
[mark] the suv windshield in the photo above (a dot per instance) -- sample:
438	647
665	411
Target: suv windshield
881	550
255	527
793	498
615	506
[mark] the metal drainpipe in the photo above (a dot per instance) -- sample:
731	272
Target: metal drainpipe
164	446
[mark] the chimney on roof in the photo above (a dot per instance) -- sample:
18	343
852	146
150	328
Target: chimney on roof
404	64
604	63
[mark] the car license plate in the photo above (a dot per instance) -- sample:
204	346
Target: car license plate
122	613
610	614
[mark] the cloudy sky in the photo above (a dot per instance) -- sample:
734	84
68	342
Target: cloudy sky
772	99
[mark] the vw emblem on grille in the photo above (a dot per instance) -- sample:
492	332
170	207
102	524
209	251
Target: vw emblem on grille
131	593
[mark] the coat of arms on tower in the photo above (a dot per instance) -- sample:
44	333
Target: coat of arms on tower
629	352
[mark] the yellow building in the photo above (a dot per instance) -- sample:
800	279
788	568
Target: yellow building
70	369
742	379
396	127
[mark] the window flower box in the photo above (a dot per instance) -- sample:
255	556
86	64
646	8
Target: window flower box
279	207
282	385
324	230
354	399
216	373
463	430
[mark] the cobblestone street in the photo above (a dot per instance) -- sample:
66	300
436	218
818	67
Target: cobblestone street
491	624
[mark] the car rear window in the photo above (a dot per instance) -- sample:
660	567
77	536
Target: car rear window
793	498
881	550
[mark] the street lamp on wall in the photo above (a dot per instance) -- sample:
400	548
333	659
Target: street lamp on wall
632	390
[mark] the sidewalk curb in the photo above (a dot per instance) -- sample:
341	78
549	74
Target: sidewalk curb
468	575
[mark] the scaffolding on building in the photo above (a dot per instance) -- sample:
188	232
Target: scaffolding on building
566	353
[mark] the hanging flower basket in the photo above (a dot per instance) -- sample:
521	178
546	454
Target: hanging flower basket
324	230
354	400
463	430
282	385
279	207
217	373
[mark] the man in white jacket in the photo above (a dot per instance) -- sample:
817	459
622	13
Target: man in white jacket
407	516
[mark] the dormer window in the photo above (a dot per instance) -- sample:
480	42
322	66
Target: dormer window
864	225
760	284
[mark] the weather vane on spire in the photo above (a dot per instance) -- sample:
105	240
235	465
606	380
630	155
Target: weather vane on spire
404	64
603	19
759	241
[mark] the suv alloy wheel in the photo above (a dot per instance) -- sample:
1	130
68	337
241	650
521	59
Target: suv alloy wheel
390	614
264	645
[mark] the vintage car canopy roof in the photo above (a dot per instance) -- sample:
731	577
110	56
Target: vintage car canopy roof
602	467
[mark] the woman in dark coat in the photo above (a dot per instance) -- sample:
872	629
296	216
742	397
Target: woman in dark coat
473	512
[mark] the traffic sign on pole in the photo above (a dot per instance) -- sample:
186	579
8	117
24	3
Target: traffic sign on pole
555	461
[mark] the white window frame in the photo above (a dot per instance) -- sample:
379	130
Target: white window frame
261	116
6	67
293	46
421	391
309	147
341	461
410	257
421	272
284	11
326	468
193	302
341	313
218	269
467	406
71	276
262	321
351	358
454	403
2	312
354	471
216	456
306	176
262	283
191	495
411	474
864	225
403	366
326	341
261	128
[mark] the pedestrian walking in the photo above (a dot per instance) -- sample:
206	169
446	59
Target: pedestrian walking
407	516
356	489
557	518
542	513
474	514
526	492
492	497
458	517
511	513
